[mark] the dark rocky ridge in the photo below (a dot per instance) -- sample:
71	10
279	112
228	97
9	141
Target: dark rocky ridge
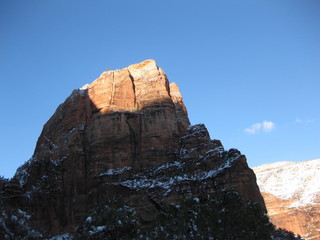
127	134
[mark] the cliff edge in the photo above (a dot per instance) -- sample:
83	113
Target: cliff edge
125	135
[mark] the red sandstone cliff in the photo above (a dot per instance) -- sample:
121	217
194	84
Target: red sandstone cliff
292	195
125	134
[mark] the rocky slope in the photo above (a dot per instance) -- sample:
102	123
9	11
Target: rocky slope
126	136
291	192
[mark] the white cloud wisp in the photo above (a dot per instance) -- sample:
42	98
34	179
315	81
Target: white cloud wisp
265	126
304	121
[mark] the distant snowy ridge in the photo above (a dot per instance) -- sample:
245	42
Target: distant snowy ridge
295	181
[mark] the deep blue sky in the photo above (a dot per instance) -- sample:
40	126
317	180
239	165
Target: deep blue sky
249	70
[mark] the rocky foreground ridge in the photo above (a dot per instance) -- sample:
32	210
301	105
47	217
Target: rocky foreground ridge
291	191
120	155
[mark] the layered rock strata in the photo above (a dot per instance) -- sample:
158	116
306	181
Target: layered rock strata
292	195
127	134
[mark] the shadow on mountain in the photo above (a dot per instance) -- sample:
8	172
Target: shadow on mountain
149	159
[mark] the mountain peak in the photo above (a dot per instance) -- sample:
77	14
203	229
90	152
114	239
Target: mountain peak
132	89
150	63
125	135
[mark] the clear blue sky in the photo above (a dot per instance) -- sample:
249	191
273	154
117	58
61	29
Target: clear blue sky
249	70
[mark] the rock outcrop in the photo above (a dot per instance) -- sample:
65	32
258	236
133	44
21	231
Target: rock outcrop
292	195
127	134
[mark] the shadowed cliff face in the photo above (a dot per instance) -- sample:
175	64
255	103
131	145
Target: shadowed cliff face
127	134
126	114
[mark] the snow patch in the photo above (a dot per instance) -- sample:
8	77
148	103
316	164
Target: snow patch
79	127
51	143
295	181
58	162
196	130
167	166
22	173
167	182
115	171
97	229
89	219
65	236
84	87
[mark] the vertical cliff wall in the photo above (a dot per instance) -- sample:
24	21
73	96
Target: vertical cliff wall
127	134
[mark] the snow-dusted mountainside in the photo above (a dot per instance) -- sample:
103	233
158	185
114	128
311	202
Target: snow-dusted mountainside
291	191
120	160
295	181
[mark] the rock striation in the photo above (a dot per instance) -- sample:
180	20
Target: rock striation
127	134
292	195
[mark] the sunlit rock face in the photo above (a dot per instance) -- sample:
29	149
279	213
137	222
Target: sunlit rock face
133	116
127	134
292	195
